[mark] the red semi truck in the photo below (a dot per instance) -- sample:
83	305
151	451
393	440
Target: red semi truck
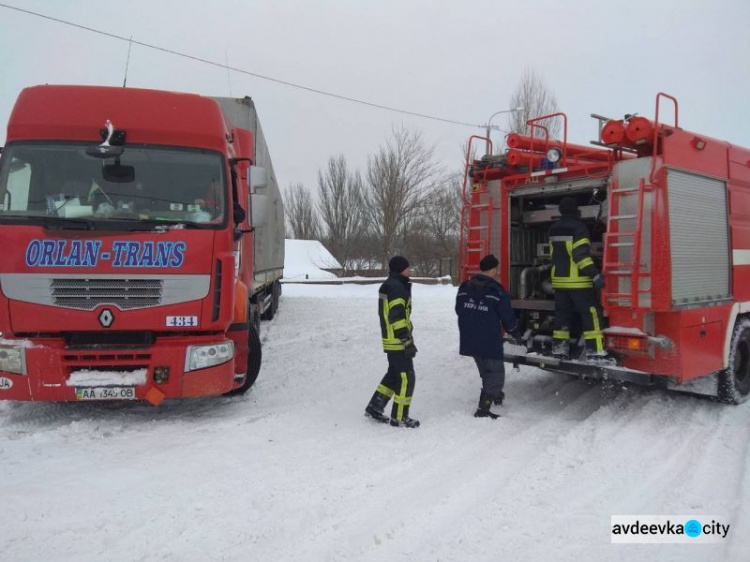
143	240
668	212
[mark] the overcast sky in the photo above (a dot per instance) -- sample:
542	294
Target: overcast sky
459	60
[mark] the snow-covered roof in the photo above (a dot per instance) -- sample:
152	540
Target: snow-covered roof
307	259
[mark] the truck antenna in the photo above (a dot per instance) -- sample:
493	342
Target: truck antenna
229	74
127	63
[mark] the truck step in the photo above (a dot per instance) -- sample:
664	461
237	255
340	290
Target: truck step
622	217
625	190
621	244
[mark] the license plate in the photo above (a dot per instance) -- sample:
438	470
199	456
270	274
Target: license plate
106	393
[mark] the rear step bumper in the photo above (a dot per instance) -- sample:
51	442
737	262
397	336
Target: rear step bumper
582	368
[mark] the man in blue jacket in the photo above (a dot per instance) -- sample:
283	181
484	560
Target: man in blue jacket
483	308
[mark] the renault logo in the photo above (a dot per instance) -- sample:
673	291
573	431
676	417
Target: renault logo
106	318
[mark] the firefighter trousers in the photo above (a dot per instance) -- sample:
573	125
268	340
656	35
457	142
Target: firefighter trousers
398	383
583	302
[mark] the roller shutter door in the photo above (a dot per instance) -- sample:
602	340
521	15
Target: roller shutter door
699	238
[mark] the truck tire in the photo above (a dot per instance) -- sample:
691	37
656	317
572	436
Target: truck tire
734	381
270	311
276	296
253	362
274	306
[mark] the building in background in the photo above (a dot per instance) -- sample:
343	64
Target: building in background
309	259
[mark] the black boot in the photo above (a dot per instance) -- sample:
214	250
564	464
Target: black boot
483	411
405	420
374	409
499	400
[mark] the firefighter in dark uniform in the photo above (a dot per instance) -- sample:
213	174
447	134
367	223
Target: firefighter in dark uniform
574	278
394	309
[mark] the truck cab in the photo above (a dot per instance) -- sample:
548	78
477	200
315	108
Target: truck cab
127	236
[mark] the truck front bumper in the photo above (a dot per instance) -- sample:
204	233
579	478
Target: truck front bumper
49	364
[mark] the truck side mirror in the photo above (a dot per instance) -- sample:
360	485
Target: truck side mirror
257	178
260	208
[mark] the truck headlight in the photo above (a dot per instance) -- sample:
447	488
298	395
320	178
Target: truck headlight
13	359
203	356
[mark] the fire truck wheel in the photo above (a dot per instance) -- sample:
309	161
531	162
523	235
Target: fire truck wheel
734	382
253	363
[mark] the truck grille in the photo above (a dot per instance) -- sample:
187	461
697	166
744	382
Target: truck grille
88	291
87	294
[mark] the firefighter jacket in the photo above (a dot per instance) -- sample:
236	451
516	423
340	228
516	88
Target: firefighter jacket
572	266
483	309
394	309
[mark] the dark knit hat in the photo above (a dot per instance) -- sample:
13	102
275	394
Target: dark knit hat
569	207
488	262
398	264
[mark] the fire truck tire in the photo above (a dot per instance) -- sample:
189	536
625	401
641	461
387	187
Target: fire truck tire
253	362
734	382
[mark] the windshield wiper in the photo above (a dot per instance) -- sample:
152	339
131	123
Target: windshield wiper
48	221
62	222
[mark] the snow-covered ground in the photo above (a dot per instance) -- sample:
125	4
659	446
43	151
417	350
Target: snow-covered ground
293	471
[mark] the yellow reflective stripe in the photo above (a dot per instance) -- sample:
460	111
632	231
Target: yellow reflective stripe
405	400
595	334
399	398
561	334
399	324
388	329
597	337
583	283
595	316
585	262
382	389
393	346
396	302
580	243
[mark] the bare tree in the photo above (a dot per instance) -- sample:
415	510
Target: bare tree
398	177
433	236
301	216
341	207
536	99
442	213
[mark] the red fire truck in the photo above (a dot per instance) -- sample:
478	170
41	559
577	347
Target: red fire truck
142	236
668	211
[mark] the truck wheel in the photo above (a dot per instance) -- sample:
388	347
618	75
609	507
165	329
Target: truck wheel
270	311
734	381
253	362
276	296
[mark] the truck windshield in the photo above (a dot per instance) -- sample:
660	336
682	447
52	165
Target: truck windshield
58	181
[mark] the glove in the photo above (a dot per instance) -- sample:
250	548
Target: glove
514	337
410	350
599	281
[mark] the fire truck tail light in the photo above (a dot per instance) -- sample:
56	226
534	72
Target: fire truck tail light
636	344
625	343
204	356
13	360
